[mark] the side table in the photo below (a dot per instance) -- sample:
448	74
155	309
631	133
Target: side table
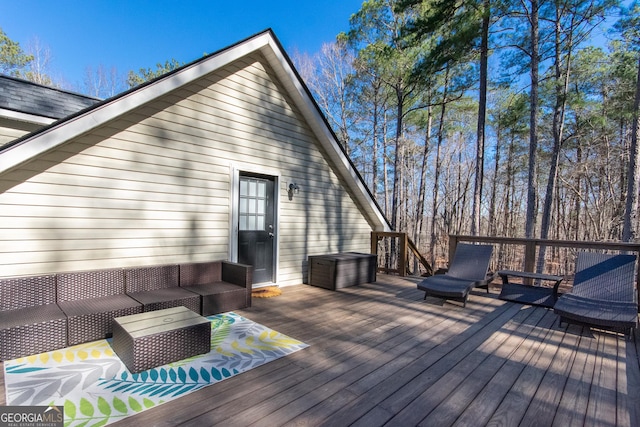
532	294
146	340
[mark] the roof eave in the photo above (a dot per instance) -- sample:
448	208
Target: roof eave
25	117
23	150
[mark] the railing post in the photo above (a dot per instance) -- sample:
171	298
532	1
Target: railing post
529	259
402	255
530	255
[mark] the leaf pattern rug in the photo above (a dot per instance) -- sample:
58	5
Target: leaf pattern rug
96	388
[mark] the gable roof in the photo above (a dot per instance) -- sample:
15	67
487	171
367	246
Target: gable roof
26	101
30	146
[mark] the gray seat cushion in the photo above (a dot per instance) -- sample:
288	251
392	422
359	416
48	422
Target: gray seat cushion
446	286
615	314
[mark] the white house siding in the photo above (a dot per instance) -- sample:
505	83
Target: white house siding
154	186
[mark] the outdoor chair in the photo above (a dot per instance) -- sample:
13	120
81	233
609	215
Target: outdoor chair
158	287
222	285
30	320
91	300
603	293
468	269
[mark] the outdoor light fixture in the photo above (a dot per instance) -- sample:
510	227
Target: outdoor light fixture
293	189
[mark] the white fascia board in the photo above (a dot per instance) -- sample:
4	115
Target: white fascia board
26	117
69	129
325	136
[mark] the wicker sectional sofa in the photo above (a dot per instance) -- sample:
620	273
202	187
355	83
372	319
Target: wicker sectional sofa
48	312
30	320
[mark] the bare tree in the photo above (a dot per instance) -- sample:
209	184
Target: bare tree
633	179
102	82
39	69
327	75
532	204
573	22
629	26
482	116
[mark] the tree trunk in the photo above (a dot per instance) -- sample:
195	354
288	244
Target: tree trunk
577	205
494	184
482	114
533	126
374	178
629	230
509	185
385	174
399	160
436	177
561	89
423	180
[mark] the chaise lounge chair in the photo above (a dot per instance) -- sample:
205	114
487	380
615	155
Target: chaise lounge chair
468	269
603	294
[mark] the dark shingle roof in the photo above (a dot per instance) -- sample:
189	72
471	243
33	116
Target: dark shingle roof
26	97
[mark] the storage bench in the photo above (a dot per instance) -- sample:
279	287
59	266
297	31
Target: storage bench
146	340
335	271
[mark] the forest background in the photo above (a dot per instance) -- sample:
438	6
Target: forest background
483	117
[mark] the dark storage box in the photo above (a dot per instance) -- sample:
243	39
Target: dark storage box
341	270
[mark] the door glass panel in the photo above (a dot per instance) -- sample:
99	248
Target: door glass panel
253	204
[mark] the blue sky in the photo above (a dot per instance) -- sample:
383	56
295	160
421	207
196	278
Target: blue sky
134	34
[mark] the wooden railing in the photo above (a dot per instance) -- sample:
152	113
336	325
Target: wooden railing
531	246
403	246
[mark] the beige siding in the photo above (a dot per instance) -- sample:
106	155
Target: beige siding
155	186
12	129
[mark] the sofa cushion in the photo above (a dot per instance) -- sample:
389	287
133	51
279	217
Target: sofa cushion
165	298
214	288
28	291
141	279
200	273
89	284
86	307
30	316
31	331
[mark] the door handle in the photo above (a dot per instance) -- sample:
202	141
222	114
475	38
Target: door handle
271	235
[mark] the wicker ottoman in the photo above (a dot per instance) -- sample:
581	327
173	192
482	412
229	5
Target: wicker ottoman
146	340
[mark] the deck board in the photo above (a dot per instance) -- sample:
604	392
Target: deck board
631	395
575	399
381	355
483	390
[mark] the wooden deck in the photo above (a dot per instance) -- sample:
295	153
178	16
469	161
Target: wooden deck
380	355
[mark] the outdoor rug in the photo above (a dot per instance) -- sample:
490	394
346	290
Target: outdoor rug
95	388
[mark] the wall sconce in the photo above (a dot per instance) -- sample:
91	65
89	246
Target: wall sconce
293	189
